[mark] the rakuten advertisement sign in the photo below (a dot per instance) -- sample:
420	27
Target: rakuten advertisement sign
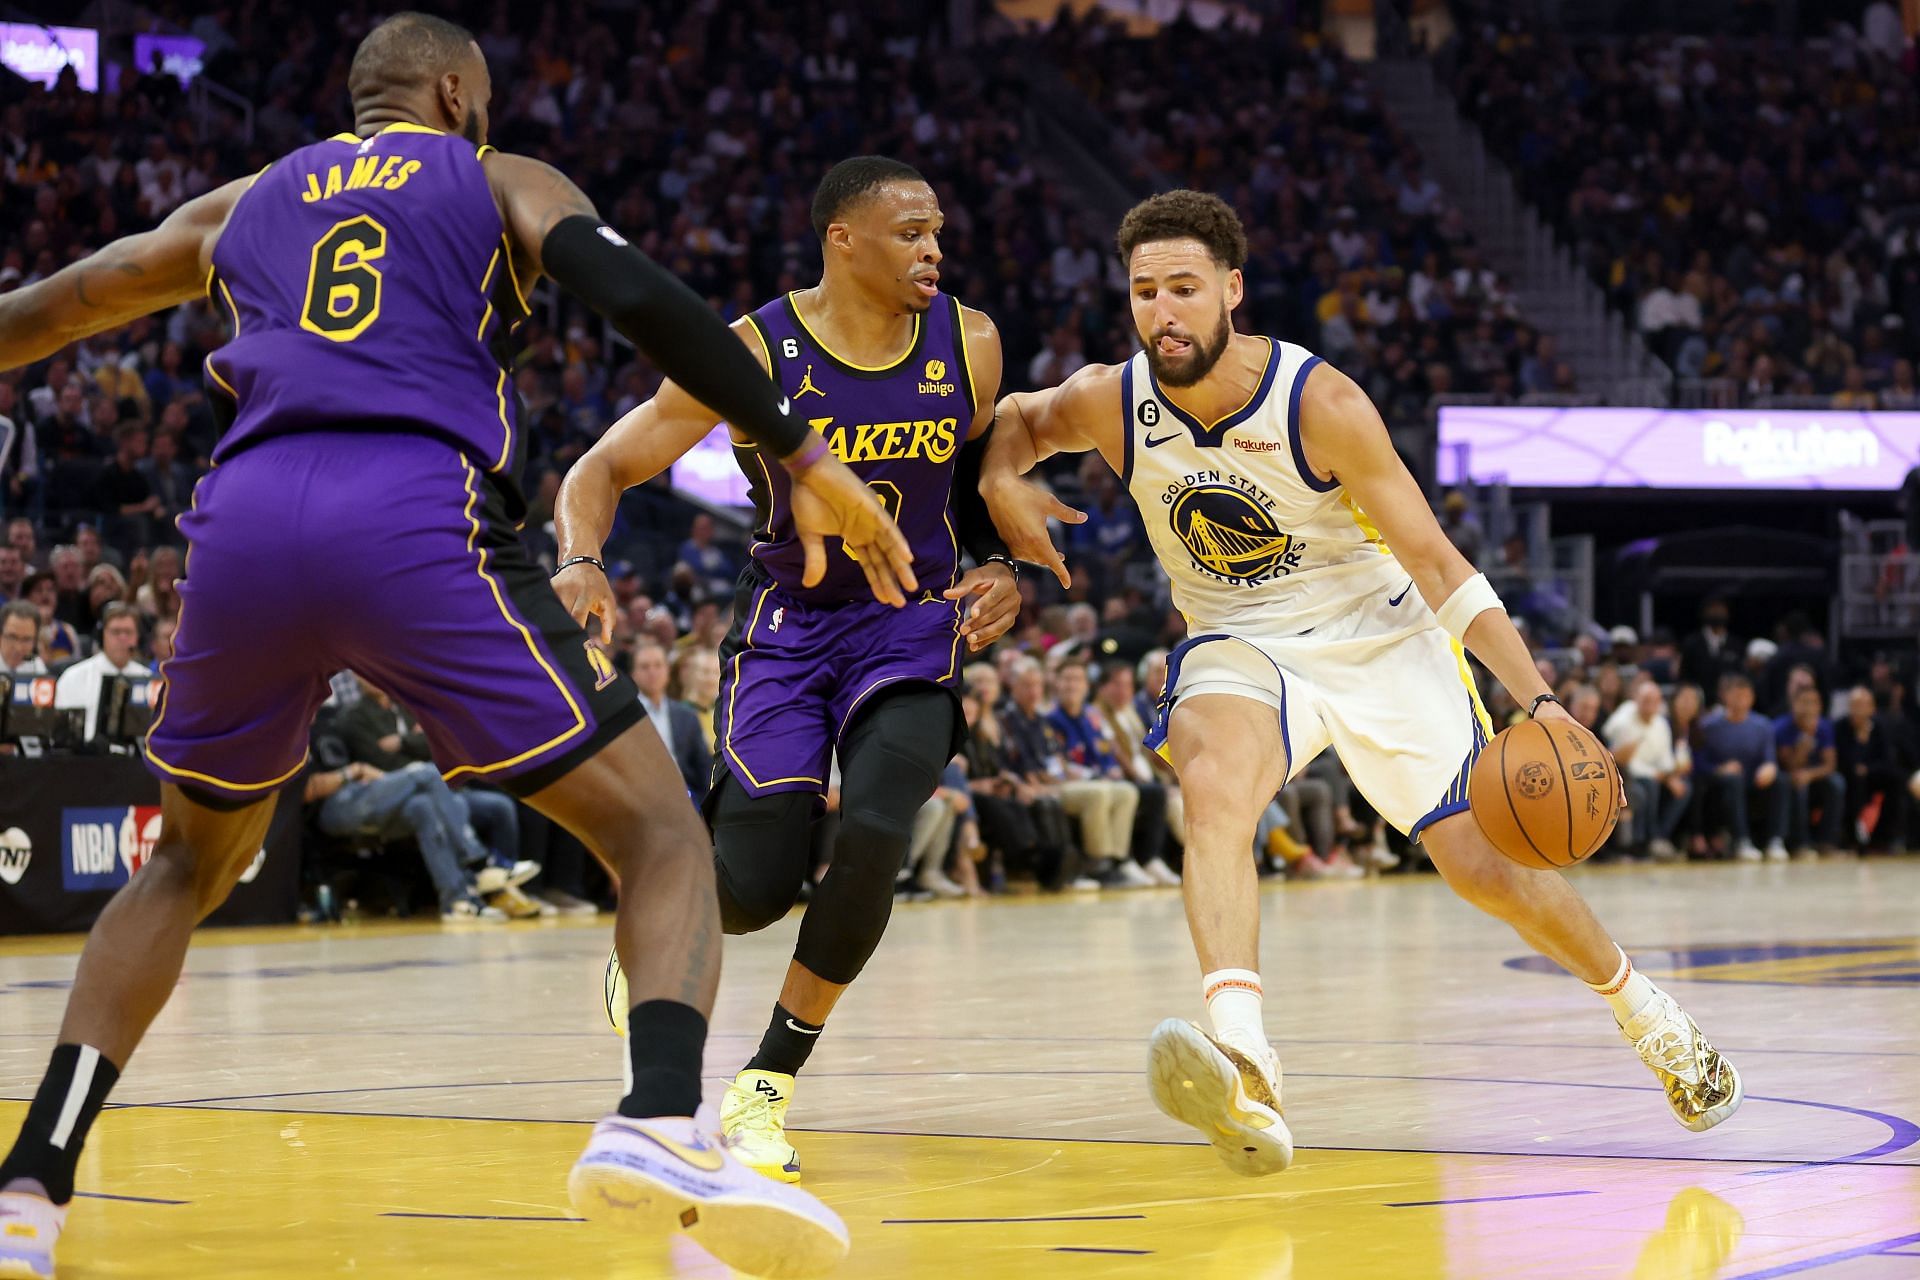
41	53
1677	448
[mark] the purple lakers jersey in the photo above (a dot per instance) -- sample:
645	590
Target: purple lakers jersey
899	427
370	284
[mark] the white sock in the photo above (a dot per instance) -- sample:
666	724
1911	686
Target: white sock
1233	1002
1628	991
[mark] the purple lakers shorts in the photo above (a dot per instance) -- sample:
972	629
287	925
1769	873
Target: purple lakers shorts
793	676
386	554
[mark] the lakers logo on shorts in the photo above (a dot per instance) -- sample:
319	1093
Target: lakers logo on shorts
603	672
1231	535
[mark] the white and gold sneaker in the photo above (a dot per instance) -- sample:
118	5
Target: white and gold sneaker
29	1228
1702	1087
753	1119
1228	1093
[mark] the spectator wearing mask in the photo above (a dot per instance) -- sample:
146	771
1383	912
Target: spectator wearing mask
1865	755
1641	739
80	683
1735	760
676	722
1811	780
1161	812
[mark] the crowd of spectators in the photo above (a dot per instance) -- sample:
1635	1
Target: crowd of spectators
1749	205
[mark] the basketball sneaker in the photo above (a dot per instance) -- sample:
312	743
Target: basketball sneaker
671	1173
1231	1094
29	1227
753	1119
1702	1087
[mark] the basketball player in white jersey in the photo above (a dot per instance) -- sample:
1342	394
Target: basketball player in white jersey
1272	493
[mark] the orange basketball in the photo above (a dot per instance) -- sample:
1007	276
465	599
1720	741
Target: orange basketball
1546	793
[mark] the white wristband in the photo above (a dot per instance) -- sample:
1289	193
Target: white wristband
1469	600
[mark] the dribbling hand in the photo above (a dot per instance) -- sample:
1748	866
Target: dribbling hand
584	591
830	501
995	606
1021	510
1554	711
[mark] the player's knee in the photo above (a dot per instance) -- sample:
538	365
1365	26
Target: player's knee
761	850
873	844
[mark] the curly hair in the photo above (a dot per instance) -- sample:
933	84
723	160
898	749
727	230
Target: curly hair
1186	215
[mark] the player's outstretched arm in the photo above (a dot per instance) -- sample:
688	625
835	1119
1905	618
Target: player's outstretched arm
1081	413
646	441
1341	433
555	225
132	277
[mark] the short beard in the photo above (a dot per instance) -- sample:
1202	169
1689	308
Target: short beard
1187	370
470	128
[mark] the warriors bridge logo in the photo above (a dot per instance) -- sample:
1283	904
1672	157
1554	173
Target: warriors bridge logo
1228	529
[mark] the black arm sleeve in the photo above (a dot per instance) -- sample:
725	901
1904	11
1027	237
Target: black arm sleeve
974	523
672	327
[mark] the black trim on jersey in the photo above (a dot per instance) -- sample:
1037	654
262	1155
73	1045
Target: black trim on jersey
747	456
804	334
1126	424
960	355
1312	481
1215	437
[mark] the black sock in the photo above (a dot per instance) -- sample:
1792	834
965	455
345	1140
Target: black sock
36	1154
665	1041
786	1045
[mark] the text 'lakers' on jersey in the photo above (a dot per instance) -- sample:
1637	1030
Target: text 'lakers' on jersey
899	427
1253	541
369	283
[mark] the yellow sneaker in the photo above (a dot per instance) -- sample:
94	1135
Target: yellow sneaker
753	1119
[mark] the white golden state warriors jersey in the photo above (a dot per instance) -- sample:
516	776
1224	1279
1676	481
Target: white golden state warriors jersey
1254	543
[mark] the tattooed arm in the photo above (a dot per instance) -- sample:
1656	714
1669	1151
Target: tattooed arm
132	277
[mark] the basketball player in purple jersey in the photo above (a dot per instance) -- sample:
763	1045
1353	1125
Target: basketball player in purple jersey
361	515
901	380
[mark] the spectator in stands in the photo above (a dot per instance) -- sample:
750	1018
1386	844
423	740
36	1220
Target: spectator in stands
1811	783
696	682
1036	757
1461	527
13	574
1711	652
678	724
79	684
159	596
1735	760
122	490
1658	789
1061	357
58	639
20	536
714	568
1161	812
1866	760
20	640
168	479
1020	824
1095	789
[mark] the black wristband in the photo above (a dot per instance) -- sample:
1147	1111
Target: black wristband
574	560
1534	709
997	558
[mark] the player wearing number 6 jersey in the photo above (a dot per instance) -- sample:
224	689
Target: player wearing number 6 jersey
361	515
900	379
1272	494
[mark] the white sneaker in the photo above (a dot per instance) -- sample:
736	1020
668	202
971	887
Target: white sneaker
30	1226
470	910
1131	875
1702	1087
1747	852
1084	884
1162	873
656	1176
1662	849
492	879
1776	850
1378	857
936	882
1224	1093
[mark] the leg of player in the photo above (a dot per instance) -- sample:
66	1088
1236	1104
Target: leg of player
1702	1087
653	1165
127	971
890	762
1231	759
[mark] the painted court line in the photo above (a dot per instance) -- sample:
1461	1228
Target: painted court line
1828	1259
480	1217
1131	1253
1536	1195
950	1222
101	1195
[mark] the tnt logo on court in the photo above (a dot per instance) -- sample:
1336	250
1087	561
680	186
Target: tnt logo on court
103	848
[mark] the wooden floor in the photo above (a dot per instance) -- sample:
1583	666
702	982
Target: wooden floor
405	1101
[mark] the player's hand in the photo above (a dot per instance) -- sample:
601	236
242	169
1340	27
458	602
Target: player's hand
829	500
584	592
995	605
1021	509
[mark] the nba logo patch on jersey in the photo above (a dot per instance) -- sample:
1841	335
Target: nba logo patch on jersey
779	616
603	672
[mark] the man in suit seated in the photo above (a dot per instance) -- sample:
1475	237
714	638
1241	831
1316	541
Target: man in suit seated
676	722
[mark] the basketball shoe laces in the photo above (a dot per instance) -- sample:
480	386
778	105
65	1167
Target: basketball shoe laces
1673	1046
755	1114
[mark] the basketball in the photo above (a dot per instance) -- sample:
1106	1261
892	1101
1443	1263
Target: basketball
1545	792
